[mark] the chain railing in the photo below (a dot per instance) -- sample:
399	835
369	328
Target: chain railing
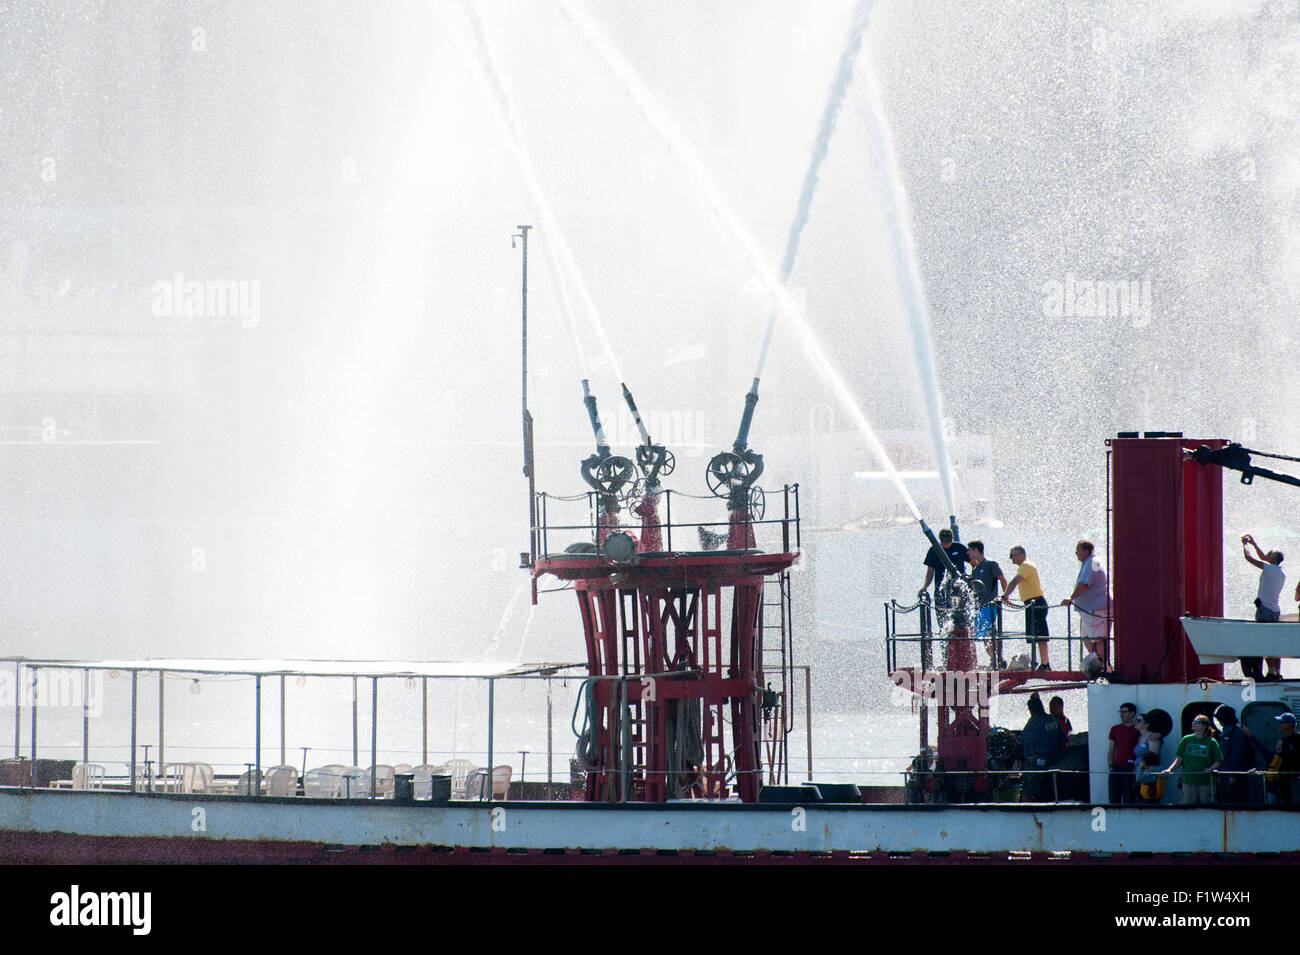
925	634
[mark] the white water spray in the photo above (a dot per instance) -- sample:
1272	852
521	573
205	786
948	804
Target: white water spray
484	68
505	620
570	326
528	626
885	165
839	87
632	87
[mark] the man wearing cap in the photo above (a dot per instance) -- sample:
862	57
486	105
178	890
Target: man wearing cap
1199	754
1287	791
934	570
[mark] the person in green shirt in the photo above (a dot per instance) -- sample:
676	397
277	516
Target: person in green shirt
1199	755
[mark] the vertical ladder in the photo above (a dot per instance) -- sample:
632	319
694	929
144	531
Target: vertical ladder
776	657
635	717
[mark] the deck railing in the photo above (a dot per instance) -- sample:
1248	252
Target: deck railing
913	626
770	533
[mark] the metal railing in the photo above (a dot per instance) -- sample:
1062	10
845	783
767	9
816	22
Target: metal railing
926	636
1260	792
756	526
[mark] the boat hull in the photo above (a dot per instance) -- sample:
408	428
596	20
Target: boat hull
54	826
1226	641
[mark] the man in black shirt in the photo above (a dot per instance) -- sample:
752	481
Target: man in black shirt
1287	792
1043	743
934	570
1238	757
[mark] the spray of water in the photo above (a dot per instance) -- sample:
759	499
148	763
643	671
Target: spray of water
839	87
483	66
890	184
500	632
637	93
523	639
570	326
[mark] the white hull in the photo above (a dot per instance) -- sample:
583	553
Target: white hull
192	820
1103	712
1226	641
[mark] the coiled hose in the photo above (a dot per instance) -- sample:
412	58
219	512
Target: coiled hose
586	752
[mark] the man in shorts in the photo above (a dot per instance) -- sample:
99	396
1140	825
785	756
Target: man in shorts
1031	592
1090	599
989	574
1199	755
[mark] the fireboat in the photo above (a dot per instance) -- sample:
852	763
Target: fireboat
687	675
682	755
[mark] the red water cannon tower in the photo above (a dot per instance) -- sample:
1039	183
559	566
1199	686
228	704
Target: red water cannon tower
962	691
681	643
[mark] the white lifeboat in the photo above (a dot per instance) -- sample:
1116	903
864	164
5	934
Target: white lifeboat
1224	641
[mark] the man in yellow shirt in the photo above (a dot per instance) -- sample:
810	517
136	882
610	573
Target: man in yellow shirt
1031	592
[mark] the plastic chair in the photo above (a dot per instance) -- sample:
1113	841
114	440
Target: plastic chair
383	782
171	777
203	776
458	770
350	783
423	783
195	778
336	770
245	785
141	776
282	781
501	782
88	776
323	782
475	784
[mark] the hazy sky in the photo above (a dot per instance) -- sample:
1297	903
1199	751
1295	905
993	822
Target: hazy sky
325	460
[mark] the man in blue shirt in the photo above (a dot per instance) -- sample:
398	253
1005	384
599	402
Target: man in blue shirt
1091	599
988	574
1043	742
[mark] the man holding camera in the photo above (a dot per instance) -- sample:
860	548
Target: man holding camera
1268	609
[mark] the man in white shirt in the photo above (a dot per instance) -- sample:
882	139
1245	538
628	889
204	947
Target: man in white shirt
1268	608
1090	598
